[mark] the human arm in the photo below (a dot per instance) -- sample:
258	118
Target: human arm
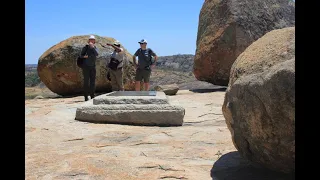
134	58
102	45
155	58
115	47
83	52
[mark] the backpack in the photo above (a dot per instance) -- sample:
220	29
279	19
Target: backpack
113	64
81	60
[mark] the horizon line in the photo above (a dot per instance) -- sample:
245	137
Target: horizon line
158	56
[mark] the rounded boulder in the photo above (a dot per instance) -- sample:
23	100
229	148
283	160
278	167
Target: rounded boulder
58	70
259	104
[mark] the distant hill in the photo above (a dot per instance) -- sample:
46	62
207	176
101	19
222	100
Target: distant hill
169	69
179	62
175	67
31	67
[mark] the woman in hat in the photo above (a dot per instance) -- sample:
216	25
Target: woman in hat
115	66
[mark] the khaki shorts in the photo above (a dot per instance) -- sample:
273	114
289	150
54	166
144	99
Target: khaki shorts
143	74
116	79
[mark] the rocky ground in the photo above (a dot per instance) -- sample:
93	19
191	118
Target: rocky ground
38	92
59	147
164	76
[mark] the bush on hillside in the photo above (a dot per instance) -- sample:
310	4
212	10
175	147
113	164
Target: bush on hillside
31	79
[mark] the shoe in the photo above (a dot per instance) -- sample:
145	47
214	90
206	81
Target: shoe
92	96
86	98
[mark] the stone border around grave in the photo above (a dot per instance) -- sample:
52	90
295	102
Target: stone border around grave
160	98
133	114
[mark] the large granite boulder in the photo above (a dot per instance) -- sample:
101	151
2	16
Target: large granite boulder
58	70
259	105
226	28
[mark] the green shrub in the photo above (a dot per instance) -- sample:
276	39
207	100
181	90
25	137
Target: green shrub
31	79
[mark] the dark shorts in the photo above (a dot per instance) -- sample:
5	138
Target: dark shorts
143	74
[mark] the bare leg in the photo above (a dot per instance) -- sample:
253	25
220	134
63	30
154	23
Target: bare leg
147	74
146	86
137	86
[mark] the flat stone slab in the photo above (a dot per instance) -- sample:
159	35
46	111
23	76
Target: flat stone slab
132	93
132	97
133	114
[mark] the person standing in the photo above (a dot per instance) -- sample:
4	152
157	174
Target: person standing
115	66
144	65
89	53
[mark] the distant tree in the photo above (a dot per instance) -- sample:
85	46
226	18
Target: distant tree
32	79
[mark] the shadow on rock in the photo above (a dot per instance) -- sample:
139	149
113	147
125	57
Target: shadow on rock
206	90
76	95
232	166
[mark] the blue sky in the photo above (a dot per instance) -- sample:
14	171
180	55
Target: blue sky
170	26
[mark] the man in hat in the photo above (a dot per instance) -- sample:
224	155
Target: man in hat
90	53
115	66
144	65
